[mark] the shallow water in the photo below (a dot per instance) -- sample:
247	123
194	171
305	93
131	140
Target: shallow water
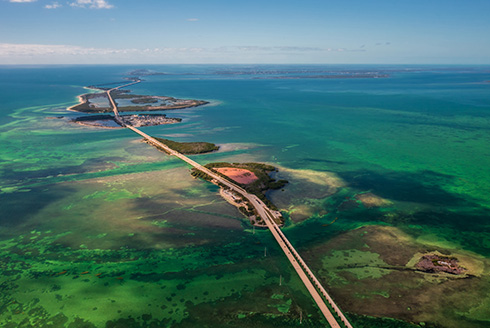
162	247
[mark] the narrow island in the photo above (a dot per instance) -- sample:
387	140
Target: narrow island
254	178
136	120
330	76
188	148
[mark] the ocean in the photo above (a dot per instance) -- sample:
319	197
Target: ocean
384	163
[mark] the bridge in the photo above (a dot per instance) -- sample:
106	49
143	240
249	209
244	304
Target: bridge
314	287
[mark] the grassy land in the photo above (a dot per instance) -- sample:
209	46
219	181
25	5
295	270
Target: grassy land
189	148
144	100
93	118
195	103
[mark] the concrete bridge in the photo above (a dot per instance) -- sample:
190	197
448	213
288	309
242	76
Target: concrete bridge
314	287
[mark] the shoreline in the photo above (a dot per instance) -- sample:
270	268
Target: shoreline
96	126
81	100
238	202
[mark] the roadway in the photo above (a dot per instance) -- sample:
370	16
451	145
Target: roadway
312	284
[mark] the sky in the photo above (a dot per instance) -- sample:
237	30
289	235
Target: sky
244	31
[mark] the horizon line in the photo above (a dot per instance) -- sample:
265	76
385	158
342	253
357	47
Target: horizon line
241	64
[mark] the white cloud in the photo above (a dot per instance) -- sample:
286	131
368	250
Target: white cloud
192	19
11	53
12	49
29	50
67	54
22	1
282	49
93	4
54	5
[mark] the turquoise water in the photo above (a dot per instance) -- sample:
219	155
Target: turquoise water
90	199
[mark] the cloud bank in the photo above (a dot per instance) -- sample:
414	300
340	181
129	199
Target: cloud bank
92	4
11	53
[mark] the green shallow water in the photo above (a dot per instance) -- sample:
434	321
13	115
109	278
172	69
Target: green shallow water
161	248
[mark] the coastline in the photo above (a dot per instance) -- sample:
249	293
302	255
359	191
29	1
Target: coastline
81	99
96	126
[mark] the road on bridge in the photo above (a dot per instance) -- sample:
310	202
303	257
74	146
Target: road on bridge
312	284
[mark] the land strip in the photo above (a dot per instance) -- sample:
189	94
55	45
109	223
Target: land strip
136	120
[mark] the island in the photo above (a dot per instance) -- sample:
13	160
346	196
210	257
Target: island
435	263
188	148
255	178
136	120
258	73
330	76
98	102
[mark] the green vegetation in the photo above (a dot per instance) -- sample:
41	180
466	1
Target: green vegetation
194	103
144	100
190	148
201	175
86	107
372	322
93	118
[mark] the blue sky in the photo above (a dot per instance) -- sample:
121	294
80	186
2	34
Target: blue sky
248	31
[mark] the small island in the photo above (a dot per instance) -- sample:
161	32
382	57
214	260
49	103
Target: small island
253	177
434	263
189	148
99	102
136	120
